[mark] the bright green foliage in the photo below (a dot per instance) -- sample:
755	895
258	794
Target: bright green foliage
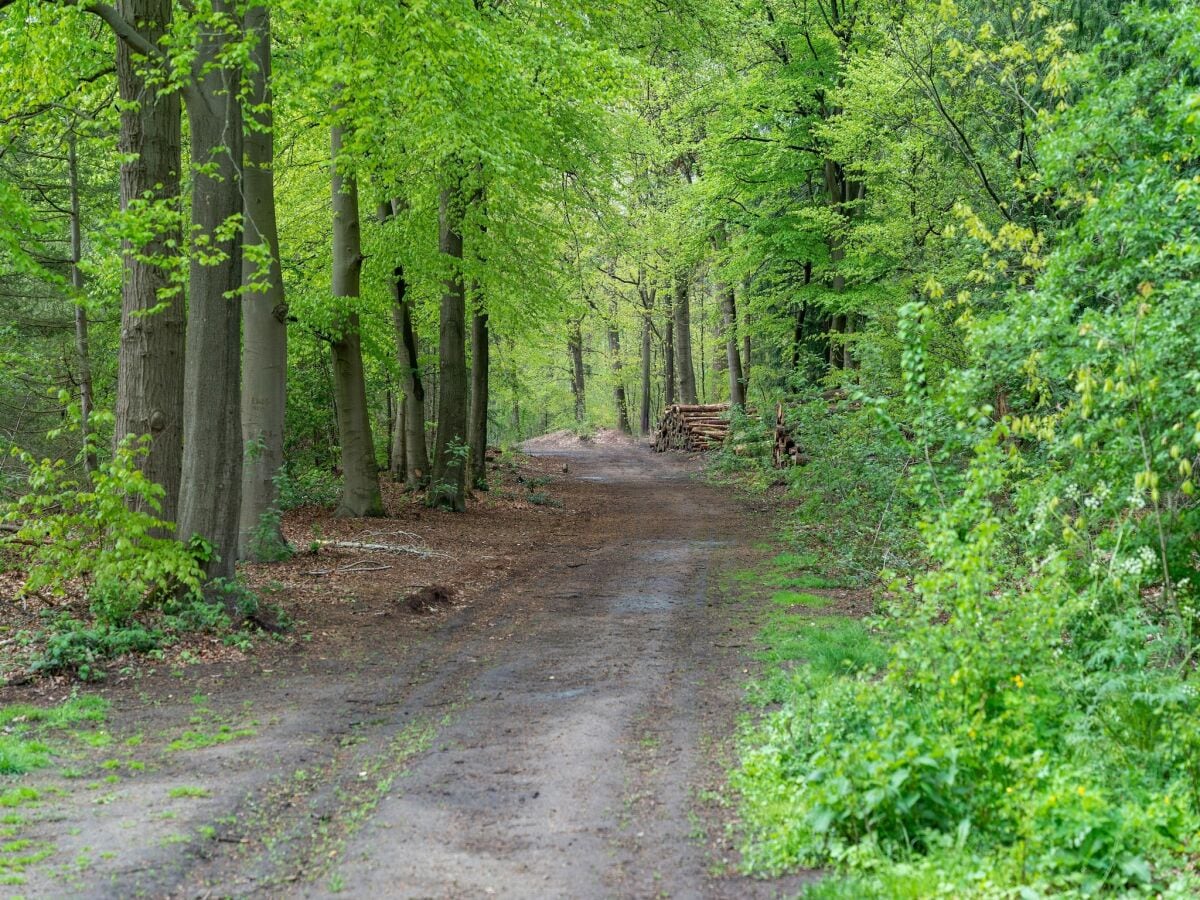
103	533
1037	728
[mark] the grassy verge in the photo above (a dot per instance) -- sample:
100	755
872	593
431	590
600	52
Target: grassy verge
966	730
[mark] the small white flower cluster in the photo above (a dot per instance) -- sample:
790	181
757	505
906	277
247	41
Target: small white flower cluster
1136	564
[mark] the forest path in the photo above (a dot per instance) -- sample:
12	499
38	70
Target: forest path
566	735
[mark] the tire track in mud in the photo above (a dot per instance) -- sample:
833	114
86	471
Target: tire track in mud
550	739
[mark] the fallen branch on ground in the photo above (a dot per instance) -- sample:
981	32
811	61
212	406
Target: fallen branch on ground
424	552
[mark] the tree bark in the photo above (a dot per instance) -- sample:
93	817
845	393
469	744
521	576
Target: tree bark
449	464
614	349
668	339
398	464
360	471
647	296
578	388
83	357
746	352
150	366
416	452
211	484
683	339
480	373
264	308
737	384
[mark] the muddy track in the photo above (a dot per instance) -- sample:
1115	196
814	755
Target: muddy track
564	735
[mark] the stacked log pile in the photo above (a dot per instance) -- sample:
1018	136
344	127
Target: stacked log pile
698	427
787	452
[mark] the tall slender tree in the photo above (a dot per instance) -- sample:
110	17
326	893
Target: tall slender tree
360	471
264	310
450	451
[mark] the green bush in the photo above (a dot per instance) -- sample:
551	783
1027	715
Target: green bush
1037	730
103	532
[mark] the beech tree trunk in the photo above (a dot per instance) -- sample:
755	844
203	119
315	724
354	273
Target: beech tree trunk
264	309
746	352
737	384
83	356
668	340
480	373
416	452
360	471
449	463
211	484
614	349
647	354
578	388
399	454
150	365
683	339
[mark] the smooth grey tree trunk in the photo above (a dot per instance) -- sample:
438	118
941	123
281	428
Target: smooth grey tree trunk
746	352
647	296
449	462
360	471
83	356
211	484
578	387
264	311
399	461
668	339
614	349
737	385
480	375
683	339
150	363
416	452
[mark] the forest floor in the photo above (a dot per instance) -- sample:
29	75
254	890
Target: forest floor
561	727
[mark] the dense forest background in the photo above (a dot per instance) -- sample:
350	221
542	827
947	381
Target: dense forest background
306	246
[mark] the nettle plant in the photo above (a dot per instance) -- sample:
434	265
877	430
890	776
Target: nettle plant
101	533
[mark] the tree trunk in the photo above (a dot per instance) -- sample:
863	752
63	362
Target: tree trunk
668	339
264	311
647	355
150	367
683	339
746	353
360	471
480	373
578	388
449	464
399	461
83	357
614	348
737	384
416	452
211	484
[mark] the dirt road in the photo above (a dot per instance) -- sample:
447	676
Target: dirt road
562	734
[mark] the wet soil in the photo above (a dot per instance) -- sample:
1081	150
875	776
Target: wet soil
561	728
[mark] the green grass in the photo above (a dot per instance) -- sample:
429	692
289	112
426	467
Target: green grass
69	712
187	791
795	598
198	740
23	746
810	650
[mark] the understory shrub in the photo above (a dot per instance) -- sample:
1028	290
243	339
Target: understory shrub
1037	729
101	532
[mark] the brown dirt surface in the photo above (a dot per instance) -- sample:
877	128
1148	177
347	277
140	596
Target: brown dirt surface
556	719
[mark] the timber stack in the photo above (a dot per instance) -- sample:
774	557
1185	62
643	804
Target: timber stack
787	452
693	427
